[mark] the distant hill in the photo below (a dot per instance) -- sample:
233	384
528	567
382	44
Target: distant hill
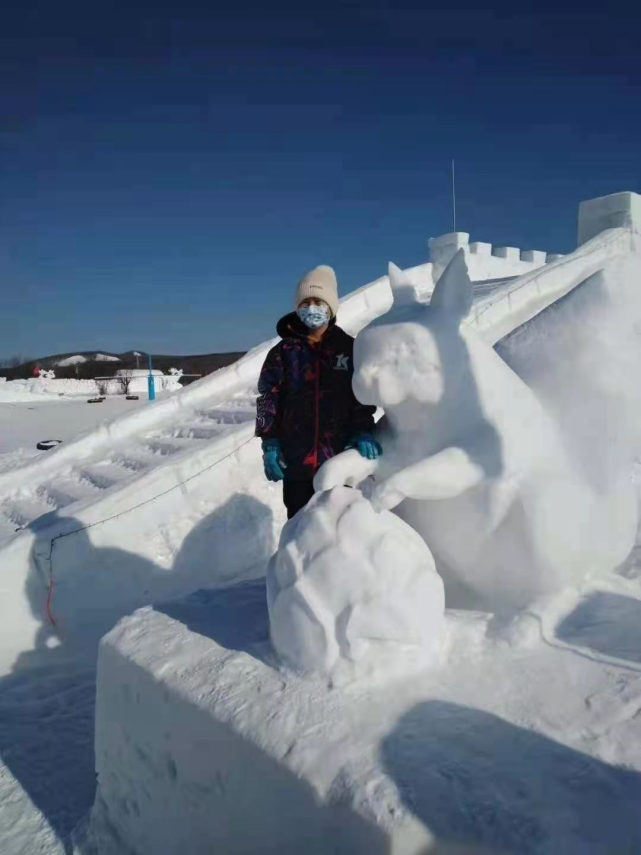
87	364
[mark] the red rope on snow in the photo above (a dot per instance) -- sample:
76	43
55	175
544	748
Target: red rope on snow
52	620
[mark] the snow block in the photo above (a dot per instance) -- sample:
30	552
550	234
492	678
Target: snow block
619	210
511	253
480	248
533	256
444	248
203	746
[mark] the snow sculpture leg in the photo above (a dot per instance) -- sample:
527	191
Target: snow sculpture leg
351	592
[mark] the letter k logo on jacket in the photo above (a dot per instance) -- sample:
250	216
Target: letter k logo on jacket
342	362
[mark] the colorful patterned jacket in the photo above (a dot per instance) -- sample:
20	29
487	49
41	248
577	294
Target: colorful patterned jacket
306	399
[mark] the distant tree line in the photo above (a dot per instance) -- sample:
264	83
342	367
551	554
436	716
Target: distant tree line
16	367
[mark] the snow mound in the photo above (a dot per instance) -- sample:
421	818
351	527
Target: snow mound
350	591
71	360
473	461
24	391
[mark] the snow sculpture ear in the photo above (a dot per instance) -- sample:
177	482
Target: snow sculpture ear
453	292
403	291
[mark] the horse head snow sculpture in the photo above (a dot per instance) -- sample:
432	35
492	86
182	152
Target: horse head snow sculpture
471	459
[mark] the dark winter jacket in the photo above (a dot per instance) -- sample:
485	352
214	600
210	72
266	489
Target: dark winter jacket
306	399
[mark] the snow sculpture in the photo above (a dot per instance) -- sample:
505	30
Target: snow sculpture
47	375
351	592
472	461
172	382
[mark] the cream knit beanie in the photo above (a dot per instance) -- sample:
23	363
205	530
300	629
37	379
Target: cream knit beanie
320	283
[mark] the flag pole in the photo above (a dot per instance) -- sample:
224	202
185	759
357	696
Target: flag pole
453	198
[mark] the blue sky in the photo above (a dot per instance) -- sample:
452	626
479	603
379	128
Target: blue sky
169	170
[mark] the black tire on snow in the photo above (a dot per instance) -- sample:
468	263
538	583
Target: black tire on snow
47	444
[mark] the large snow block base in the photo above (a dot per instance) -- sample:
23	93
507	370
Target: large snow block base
204	746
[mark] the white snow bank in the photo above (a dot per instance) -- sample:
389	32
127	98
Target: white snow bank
51	387
138	372
351	592
203	746
71	360
16	392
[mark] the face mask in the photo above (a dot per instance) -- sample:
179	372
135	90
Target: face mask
314	317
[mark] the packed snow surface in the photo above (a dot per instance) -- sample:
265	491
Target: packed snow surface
350	591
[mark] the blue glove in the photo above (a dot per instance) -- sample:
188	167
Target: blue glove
366	445
273	460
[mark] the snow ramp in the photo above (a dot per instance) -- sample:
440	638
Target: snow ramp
171	498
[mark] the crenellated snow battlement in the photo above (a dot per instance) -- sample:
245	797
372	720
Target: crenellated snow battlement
486	261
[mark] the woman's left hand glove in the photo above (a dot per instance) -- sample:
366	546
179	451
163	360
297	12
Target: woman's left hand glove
367	446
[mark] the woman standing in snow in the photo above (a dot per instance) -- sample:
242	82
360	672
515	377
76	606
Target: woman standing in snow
306	409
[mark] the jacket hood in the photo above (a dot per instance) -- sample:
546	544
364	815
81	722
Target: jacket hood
291	326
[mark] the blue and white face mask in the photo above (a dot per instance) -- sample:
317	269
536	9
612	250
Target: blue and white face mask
314	317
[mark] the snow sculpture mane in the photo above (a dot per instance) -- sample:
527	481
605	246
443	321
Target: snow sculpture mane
351	592
471	459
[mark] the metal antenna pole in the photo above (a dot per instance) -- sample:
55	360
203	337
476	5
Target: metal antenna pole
453	197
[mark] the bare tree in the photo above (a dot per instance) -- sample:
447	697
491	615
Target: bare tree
103	385
125	378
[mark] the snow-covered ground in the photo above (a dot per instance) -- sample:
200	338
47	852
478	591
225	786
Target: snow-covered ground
514	740
32	418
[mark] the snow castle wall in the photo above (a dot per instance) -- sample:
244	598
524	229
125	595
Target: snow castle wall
484	260
619	210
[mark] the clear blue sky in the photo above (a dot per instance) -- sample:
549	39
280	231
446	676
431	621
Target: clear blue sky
169	169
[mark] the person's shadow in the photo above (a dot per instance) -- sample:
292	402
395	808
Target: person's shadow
472	777
47	702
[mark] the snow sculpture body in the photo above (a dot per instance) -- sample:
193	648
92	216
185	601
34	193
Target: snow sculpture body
172	382
351	592
472	461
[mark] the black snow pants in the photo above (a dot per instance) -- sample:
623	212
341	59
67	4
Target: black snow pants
296	494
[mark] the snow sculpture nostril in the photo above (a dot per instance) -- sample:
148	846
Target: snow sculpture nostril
367	599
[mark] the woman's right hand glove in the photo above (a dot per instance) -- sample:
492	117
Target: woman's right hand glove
273	460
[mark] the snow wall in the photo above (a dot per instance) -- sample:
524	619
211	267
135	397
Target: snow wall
484	260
